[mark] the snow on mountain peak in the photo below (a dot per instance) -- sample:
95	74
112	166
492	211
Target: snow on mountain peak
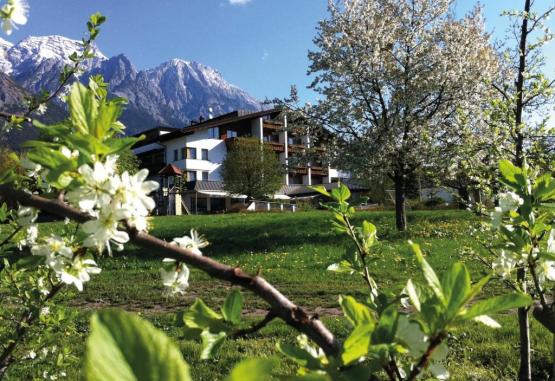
34	50
5	45
171	94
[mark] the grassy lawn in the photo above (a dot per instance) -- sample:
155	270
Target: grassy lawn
292	251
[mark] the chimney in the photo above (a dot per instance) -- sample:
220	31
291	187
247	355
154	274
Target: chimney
201	119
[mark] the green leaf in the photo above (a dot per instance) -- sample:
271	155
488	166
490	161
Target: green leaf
124	347
509	173
368	234
83	109
232	307
199	315
211	343
343	266
341	194
356	312
320	189
299	355
253	370
477	287
413	295
429	273
544	190
387	326
498	304
357	343
456	286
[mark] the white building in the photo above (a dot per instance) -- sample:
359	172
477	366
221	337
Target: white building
197	151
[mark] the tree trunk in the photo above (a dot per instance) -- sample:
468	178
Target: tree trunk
524	373
400	213
525	370
464	197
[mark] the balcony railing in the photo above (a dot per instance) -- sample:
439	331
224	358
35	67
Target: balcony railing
272	125
277	147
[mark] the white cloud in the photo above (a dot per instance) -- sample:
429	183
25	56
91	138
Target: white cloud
239	2
265	55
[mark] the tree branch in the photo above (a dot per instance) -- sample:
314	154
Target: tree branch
285	309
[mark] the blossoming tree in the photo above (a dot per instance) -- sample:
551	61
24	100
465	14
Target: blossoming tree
392	75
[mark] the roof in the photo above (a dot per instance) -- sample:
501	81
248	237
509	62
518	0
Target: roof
153	135
170	170
206	185
231	117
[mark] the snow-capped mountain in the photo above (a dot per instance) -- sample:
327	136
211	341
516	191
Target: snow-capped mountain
171	94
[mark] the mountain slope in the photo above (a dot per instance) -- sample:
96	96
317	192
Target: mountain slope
12	98
172	94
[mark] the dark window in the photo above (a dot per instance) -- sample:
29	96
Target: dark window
175	158
217	204
191	176
183	153
204	154
199	204
205	175
214	133
191	153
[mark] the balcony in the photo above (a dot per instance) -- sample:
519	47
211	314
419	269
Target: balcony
319	171
272	125
277	147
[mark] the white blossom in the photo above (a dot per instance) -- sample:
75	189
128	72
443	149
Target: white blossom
26	215
96	190
15	12
31	235
132	192
175	277
545	270
78	272
488	321
551	242
32	168
509	201
105	229
504	264
194	242
496	218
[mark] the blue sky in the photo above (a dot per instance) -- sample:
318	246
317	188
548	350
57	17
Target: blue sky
259	45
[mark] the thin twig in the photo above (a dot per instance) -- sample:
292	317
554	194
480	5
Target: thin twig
8	238
255	327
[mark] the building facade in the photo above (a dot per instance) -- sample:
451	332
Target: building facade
197	151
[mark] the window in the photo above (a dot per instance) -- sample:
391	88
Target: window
231	134
183	153
175	158
205	175
204	153
295	140
191	176
191	153
214	133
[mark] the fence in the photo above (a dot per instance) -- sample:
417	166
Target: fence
258	206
